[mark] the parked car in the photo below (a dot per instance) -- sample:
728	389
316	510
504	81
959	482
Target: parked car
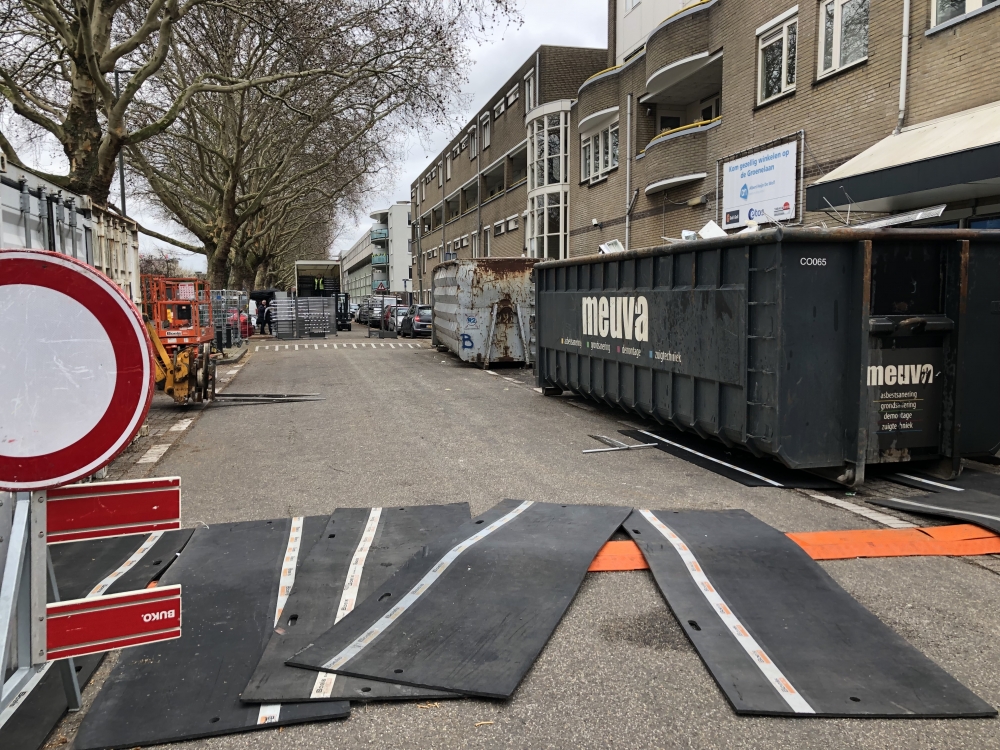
378	305
393	316
416	322
354	310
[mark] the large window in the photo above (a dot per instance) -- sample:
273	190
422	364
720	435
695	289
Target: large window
473	143
485	122
529	90
843	36
776	60
548	223
945	10
548	162
599	153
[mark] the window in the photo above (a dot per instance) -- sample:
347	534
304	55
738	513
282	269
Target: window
473	145
440	174
710	108
475	245
498	109
513	94
669	122
843	37
599	153
447	162
529	90
547	225
776	60
511	223
498	229
464	144
486	130
518	166
486	242
945	10
548	150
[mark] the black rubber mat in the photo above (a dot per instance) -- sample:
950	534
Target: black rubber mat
969	479
360	548
80	566
735	464
43	708
189	687
778	634
473	612
970	506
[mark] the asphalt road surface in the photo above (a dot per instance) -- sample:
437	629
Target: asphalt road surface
408	425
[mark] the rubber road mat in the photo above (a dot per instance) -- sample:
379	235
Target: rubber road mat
971	506
90	568
124	563
189	687
778	634
969	479
43	707
735	464
358	551
960	540
472	614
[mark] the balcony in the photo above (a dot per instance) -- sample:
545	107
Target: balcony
678	157
679	39
379	235
599	93
380	259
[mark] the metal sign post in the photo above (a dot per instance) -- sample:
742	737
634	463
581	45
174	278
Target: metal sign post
76	367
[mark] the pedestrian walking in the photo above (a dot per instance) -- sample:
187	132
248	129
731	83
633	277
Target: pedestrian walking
261	315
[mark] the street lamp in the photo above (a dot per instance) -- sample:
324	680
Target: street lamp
121	151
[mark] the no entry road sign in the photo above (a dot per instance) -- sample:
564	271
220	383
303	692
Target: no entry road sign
76	374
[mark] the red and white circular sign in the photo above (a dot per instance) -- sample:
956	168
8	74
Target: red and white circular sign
76	373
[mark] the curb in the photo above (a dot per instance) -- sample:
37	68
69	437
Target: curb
232	360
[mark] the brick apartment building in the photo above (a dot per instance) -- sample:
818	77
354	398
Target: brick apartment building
501	187
800	102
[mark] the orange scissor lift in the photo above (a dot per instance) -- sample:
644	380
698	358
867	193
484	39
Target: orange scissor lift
178	315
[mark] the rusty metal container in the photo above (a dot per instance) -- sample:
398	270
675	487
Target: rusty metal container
483	309
828	350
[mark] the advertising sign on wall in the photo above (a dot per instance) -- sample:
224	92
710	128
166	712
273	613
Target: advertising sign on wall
760	187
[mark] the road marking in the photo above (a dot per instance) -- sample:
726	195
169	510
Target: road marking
763	662
392	346
296	347
334	346
928	481
872	515
410	345
256	349
270	712
702	455
323	687
425	583
232	372
181	425
316	346
354	345
154	454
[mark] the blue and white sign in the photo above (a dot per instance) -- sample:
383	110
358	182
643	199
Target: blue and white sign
760	187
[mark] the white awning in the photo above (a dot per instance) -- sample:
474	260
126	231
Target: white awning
951	158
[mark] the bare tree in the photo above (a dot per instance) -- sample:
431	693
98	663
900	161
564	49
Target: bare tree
235	162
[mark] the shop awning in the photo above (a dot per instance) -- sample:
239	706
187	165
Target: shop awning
950	159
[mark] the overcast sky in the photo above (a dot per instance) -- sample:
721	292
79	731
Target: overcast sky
582	23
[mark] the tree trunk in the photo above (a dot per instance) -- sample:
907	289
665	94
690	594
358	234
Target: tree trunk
82	139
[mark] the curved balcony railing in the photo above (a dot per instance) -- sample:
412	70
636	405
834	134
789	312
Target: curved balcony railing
676	44
678	156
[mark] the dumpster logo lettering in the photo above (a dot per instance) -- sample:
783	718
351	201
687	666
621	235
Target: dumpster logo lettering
467	341
618	317
900	374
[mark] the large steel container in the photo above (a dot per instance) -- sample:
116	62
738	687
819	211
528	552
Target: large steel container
483	309
828	350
